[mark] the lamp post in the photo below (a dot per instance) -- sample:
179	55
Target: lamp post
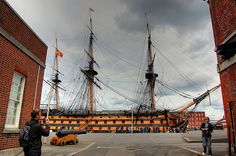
132	122
132	117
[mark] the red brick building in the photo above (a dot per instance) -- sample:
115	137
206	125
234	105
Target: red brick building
22	64
223	15
195	119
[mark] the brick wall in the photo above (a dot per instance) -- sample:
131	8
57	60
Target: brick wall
228	87
13	59
195	119
223	14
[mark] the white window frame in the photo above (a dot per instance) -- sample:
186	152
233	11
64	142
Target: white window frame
16	100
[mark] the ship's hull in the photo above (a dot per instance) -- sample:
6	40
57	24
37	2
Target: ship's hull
113	122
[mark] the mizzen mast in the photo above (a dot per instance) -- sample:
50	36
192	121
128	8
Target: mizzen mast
150	75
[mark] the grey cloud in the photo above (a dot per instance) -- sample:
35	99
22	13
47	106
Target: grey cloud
112	20
182	15
118	102
197	46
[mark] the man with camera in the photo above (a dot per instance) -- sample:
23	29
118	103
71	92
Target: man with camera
36	131
207	129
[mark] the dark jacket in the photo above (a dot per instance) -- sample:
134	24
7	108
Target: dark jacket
36	132
206	133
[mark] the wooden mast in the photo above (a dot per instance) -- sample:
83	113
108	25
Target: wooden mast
56	80
90	73
150	75
91	64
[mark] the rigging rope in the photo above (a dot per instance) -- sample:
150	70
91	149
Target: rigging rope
119	93
174	66
185	95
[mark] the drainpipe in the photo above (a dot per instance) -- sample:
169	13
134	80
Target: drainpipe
36	87
232	123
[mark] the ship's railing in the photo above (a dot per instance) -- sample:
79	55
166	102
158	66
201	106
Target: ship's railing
45	106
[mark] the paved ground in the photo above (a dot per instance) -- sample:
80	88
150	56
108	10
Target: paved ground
219	139
218	136
155	144
135	145
161	144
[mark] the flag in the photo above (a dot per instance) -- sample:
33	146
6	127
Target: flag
59	53
91	9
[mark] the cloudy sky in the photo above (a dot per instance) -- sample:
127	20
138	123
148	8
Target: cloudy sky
182	42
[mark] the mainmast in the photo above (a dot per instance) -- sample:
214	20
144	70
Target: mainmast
150	75
90	72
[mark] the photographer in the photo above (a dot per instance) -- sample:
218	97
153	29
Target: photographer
36	132
207	129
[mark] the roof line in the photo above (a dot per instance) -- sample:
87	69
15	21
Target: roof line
229	37
24	21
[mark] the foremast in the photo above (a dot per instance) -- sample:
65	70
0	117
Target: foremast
150	75
55	81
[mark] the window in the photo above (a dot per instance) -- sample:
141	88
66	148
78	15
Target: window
15	101
228	48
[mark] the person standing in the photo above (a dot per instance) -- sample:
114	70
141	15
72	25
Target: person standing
207	129
37	130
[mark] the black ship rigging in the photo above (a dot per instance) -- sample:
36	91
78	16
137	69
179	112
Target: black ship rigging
84	102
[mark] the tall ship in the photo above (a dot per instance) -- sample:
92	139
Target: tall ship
80	113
